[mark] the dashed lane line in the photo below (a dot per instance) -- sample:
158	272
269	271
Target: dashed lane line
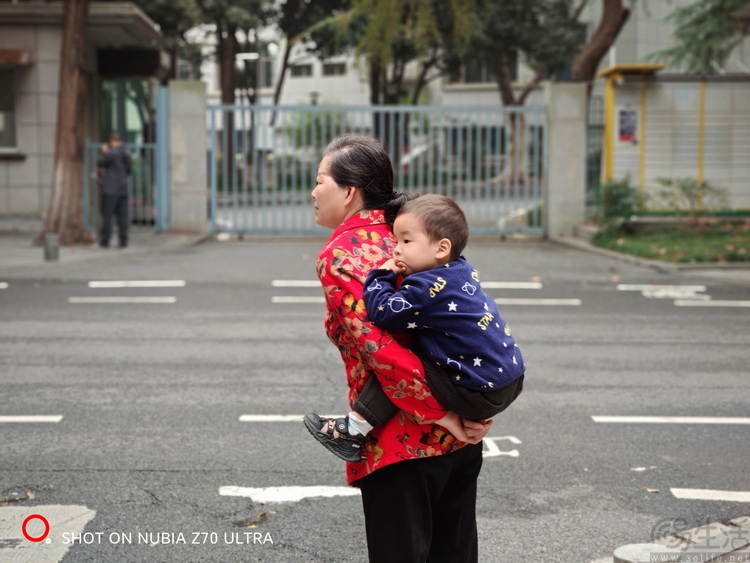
295	283
711	303
709	494
30	418
286	299
485	285
265	495
123	300
511	285
540	302
136	283
671	419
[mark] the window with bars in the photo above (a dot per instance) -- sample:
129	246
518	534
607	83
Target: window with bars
7	109
301	70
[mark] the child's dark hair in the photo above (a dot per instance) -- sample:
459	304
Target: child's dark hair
441	218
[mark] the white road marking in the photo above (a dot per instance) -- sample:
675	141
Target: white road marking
121	300
672	419
493	451
3	285
511	285
293	299
708	494
137	283
280	417
485	285
288	494
542	302
63	523
650	286
690	303
31	418
295	283
653	291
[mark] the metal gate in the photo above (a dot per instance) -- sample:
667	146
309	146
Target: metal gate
263	160
148	183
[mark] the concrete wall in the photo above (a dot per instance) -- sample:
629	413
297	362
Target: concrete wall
566	168
187	156
26	172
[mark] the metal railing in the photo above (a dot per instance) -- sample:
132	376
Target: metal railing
262	161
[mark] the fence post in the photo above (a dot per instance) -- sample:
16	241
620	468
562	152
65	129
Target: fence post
565	201
187	152
161	159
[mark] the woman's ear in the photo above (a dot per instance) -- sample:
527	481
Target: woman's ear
444	247
353	197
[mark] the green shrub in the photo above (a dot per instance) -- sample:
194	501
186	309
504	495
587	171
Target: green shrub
618	200
690	195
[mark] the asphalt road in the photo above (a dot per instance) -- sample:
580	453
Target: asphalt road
151	394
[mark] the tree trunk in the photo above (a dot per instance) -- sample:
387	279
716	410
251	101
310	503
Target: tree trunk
614	17
280	82
228	84
513	171
65	210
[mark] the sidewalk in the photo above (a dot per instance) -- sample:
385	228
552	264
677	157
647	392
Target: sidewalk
17	249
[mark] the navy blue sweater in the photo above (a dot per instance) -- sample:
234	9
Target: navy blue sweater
457	325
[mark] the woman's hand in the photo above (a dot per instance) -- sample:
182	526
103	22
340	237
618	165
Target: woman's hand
469	431
476	429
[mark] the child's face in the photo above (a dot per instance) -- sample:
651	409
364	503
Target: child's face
415	252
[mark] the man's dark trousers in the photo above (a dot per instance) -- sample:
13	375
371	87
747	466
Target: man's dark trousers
114	206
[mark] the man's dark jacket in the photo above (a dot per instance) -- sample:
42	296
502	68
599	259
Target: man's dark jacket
116	163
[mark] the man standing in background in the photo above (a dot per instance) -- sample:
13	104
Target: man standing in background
115	162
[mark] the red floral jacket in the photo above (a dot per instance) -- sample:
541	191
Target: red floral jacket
363	242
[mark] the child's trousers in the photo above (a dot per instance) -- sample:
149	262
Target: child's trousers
375	406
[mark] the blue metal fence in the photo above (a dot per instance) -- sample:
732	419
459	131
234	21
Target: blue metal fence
262	161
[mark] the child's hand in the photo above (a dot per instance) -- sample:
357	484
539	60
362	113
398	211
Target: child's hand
390	264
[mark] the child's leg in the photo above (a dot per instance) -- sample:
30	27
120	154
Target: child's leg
346	436
373	405
467	403
358	424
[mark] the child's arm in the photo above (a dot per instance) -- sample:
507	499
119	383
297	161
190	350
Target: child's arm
390	308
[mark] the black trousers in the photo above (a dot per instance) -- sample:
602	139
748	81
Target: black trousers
423	509
375	406
114	206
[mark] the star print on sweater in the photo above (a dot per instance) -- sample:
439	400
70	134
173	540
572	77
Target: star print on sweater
458	325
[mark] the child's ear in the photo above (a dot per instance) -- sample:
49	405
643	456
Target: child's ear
444	247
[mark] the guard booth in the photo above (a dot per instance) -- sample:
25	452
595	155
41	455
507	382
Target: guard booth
676	126
131	102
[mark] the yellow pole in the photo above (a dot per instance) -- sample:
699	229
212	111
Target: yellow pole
701	127
642	146
609	127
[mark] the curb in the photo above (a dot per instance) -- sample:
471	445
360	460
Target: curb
663	267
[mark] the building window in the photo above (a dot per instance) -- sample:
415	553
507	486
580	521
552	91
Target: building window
302	70
474	71
334	69
266	80
7	109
